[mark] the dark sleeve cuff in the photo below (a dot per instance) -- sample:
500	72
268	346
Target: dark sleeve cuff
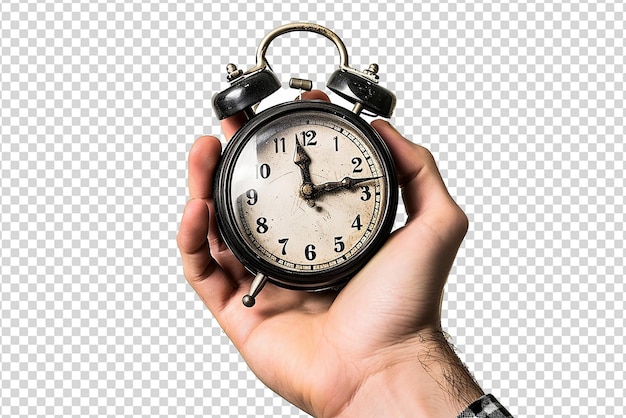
485	407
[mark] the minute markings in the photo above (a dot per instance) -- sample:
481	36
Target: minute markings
330	178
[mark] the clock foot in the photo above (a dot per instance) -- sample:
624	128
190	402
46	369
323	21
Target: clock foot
256	287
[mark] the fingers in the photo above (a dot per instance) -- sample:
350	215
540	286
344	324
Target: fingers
315	95
192	240
416	168
201	270
232	124
424	191
203	159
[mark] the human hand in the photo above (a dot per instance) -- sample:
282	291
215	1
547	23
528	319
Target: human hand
373	349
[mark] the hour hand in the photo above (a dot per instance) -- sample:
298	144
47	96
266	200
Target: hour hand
302	160
346	183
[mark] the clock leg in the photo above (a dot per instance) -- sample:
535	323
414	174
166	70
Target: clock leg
256	286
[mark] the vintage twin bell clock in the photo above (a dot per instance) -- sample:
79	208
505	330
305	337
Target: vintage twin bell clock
306	191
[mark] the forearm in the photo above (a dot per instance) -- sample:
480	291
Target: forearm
434	383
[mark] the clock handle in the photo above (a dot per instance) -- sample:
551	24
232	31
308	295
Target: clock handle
255	84
261	62
257	285
250	87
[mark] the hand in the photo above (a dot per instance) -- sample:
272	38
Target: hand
375	348
302	160
346	183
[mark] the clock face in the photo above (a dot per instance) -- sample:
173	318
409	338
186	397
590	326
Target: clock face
305	194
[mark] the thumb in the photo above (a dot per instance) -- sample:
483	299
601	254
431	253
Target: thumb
423	190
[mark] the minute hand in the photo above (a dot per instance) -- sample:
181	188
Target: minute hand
346	183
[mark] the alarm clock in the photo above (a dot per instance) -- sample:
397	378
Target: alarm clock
306	191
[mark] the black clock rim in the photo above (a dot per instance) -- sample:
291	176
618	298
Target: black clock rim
225	216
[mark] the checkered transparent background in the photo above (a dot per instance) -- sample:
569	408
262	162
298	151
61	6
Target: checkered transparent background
522	105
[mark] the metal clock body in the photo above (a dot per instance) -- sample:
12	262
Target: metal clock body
306	191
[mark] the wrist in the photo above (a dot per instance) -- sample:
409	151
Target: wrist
425	378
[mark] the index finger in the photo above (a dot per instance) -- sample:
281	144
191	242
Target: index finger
424	193
231	124
417	170
203	159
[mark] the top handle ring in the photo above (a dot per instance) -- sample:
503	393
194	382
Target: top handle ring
358	87
261	62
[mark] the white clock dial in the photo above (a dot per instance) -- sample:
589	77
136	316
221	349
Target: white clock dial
275	216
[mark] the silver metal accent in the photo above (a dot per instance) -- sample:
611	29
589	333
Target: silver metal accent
233	72
372	71
256	287
358	108
300	84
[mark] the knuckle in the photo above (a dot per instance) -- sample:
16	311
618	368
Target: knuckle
459	221
180	240
424	154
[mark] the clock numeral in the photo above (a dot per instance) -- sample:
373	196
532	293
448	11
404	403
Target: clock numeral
279	144
264	171
309	252
308	138
357	165
339	245
252	196
357	223
284	242
262	227
366	193
336	139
